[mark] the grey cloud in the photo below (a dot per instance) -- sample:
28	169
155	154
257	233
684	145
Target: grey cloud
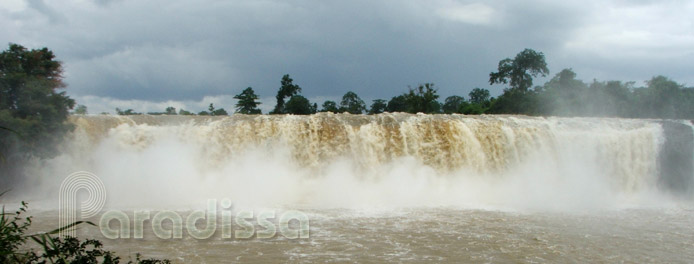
50	13
163	50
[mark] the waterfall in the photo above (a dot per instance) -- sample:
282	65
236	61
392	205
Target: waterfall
392	159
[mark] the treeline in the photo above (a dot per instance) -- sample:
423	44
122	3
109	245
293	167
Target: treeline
168	111
33	110
422	99
563	95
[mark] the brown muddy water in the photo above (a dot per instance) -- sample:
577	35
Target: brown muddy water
440	235
382	188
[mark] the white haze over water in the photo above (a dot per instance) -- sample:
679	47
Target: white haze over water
364	162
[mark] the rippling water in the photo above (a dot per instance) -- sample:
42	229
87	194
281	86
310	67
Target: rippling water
447	235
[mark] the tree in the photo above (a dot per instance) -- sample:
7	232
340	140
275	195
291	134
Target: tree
479	96
30	104
213	111
514	101
520	70
81	110
663	95
352	103
330	106
126	112
247	102
397	104
219	112
423	99
170	110
298	105
287	89
184	112
378	106
471	109
612	98
564	95
452	104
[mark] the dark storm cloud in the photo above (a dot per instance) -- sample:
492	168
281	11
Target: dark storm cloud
184	50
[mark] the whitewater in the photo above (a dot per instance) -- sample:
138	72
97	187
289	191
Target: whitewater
398	187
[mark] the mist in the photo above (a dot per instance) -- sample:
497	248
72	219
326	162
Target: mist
566	95
384	161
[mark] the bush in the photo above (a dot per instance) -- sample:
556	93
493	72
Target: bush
13	227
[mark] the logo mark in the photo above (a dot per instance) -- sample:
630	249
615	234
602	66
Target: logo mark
67	202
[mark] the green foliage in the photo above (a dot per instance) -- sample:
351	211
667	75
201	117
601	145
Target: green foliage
423	99
479	96
299	105
247	103
184	112
662	98
170	110
564	95
71	250
214	111
219	112
330	106
398	104
126	112
80	110
13	238
453	104
12	229
611	99
287	89
520	70
30	103
378	106
352	104
471	109
515	101
419	100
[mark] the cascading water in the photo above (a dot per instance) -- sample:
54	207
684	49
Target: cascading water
388	187
386	160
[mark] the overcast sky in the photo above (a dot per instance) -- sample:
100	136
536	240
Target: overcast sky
147	54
